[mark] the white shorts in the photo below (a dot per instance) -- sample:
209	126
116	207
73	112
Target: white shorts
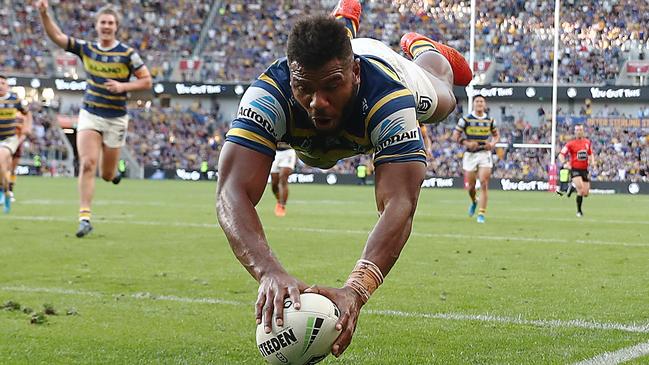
12	143
113	130
474	160
412	76
283	159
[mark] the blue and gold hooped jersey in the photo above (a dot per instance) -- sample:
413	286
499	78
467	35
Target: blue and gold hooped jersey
383	120
476	128
117	63
10	105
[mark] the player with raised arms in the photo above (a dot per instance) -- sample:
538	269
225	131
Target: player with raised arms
103	120
333	98
12	111
581	154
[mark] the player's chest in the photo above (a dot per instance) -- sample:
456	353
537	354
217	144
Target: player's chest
314	144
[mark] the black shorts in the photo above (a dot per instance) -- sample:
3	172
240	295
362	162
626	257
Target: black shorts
580	172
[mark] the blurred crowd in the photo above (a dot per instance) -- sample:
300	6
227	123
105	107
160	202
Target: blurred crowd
245	36
24	47
516	35
46	143
183	137
175	137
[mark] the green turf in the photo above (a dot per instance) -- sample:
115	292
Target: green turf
533	260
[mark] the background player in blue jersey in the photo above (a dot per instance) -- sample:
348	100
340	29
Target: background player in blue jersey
477	162
103	122
10	107
330	102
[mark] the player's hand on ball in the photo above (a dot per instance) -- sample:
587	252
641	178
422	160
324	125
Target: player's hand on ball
349	303
114	87
273	289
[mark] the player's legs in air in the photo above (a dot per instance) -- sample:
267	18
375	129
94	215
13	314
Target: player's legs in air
442	65
445	67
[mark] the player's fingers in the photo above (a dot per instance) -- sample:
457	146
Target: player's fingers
341	343
261	300
278	303
342	321
268	312
345	338
294	294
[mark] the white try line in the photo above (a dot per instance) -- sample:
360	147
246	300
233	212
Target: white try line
366	212
351	231
519	320
619	356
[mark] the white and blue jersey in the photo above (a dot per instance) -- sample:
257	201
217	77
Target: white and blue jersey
383	121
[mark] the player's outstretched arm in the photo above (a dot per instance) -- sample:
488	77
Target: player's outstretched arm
243	174
53	31
397	192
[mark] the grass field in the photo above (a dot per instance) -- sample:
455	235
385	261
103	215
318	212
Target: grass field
156	282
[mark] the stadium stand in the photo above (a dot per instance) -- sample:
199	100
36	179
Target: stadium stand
175	137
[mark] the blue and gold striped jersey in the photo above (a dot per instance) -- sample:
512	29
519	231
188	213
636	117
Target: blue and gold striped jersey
101	65
383	120
477	128
10	105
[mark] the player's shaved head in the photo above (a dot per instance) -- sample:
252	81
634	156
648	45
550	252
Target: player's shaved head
315	41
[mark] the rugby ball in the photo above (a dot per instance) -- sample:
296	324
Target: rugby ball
307	334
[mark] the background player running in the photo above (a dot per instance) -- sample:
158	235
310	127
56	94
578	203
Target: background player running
476	162
10	109
330	101
581	154
103	121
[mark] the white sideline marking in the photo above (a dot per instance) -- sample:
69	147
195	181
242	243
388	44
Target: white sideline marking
575	323
348	231
619	356
363	212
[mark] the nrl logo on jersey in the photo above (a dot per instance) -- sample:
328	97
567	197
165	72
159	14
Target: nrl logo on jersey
424	104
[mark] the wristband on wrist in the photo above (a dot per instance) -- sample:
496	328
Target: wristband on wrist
365	279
